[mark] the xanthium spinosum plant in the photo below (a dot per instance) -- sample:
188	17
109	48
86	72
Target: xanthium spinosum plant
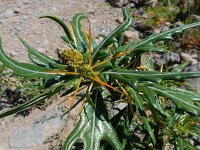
116	72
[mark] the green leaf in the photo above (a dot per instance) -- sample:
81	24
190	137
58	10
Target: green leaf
152	98
182	100
63	25
151	75
139	104
32	102
91	130
180	143
39	58
65	39
180	67
24	69
82	44
117	31
189	146
149	41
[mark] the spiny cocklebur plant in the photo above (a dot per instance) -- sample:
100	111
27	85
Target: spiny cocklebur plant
158	111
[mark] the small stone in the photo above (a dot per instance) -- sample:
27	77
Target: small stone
130	35
153	3
145	16
118	3
195	18
178	24
165	28
120	20
167	23
13	54
132	5
17	11
188	57
173	57
26	2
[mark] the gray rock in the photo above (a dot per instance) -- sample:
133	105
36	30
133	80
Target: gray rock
130	35
173	57
37	133
17	11
120	20
189	58
165	28
118	3
26	2
195	18
195	81
167	23
13	54
27	136
153	3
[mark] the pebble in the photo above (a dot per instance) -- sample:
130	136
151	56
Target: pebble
189	58
173	57
178	24
120	20
165	28
167	23
130	35
195	81
13	54
17	11
118	3
195	18
26	2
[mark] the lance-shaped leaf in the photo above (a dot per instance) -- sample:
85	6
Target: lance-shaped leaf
151	75
91	130
39	58
117	31
24	69
32	102
81	39
182	100
149	41
61	23
152	98
139	104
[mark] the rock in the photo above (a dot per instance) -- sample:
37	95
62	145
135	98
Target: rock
26	2
13	54
167	23
37	133
27	136
17	11
178	24
118	3
153	3
120	20
131	5
173	57
165	28
195	81
145	16
195	18
130	35
189	58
